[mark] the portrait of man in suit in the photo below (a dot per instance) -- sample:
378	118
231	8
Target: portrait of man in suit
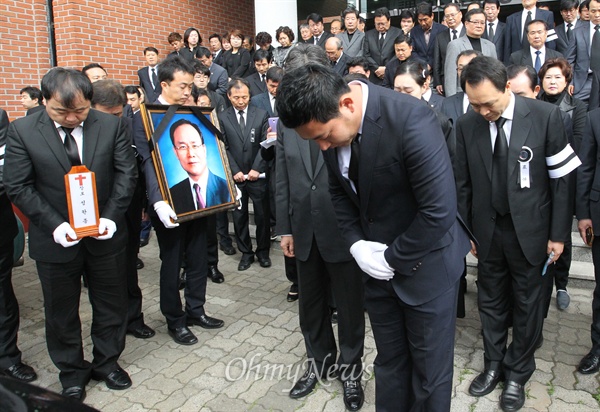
202	188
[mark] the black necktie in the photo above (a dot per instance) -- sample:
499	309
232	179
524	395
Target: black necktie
381	40
154	78
524	41
569	29
262	78
595	54
71	147
454	34
491	32
274	107
242	122
500	170
354	161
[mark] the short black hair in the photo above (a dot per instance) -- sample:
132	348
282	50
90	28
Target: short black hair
181	122
309	92
315	17
514	70
197	92
417	69
426	9
237	83
359	61
201	69
92	66
382	12
275	74
407	14
66	84
349	10
263	38
261	54
150	49
536	21
568	4
166	70
483	68
108	93
33	92
473	12
133	90
403	38
585	4
203	52
496	2
212	36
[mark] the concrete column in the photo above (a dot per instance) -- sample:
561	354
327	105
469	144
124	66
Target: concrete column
270	14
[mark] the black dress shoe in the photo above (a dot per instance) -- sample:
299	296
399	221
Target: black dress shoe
141	332
292	295
305	385
245	263
215	274
144	241
485	382
589	364
183	336
354	396
21	372
117	379
75	392
139	264
228	250
513	397
264	262
205	322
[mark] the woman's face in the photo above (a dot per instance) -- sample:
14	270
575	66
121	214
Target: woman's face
236	42
554	82
226	45
405	83
284	40
193	38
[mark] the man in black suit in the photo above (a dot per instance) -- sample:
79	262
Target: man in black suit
494	29
319	35
148	76
258	80
244	127
266	101
405	236
337	58
564	31
379	44
40	150
579	54
218	75
216	47
176	42
202	188
306	220
514	197
456	29
31	99
588	215
10	355
458	104
537	53
515	34
176	77
425	33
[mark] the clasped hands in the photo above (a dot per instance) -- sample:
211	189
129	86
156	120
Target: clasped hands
65	235
370	258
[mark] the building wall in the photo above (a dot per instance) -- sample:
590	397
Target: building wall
112	33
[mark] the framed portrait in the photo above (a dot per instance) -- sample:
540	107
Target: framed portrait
189	159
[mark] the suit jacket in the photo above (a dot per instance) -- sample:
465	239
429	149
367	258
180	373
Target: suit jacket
439	54
218	59
36	163
578	56
524	57
562	43
217	192
435	101
539	213
256	86
427	243
422	49
340	67
588	174
152	93
453	107
263	102
498	39
35	109
218	79
514	31
451	84
243	149
354	47
324	36
304	208
378	57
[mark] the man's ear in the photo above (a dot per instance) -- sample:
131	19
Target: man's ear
347	102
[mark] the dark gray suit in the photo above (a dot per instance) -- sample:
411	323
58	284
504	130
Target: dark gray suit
340	66
218	79
514	31
152	93
523	57
439	54
498	39
374	55
256	85
578	56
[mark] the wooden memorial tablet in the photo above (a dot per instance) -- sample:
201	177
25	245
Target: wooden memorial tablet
82	200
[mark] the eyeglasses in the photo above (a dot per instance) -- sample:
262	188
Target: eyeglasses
477	23
186	148
450	16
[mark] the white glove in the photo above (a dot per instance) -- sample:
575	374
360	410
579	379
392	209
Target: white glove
238	196
165	214
108	226
61	232
369	257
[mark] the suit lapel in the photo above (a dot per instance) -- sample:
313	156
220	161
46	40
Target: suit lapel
304	149
236	125
91	133
518	134
481	133
52	138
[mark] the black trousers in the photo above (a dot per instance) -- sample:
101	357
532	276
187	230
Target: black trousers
257	192
9	309
135	317
107	289
188	239
510	287
212	246
415	349
315	277
291	269
596	299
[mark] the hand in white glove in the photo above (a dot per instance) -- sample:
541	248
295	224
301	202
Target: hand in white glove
238	196
60	235
165	214
369	257
106	228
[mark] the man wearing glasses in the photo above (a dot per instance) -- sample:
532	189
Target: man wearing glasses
564	31
456	29
475	24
